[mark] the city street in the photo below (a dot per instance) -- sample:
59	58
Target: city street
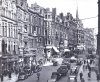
45	74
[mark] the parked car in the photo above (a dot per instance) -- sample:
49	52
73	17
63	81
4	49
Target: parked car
55	63
37	68
74	70
54	77
67	64
62	70
72	78
22	76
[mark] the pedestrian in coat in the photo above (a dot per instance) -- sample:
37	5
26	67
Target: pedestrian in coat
9	74
89	74
98	76
81	75
1	77
82	80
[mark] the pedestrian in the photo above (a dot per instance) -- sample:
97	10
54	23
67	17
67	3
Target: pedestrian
82	80
89	74
9	74
1	77
38	75
98	76
84	61
81	75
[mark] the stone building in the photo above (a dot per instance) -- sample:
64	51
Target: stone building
89	40
36	30
8	34
23	29
80	37
60	33
22	24
72	27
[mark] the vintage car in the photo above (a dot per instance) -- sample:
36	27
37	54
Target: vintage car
62	70
74	70
72	78
54	77
22	76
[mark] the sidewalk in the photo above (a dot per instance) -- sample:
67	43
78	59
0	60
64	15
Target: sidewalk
13	79
85	75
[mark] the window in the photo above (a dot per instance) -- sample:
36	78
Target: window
39	31
14	32
0	29
3	28
34	28
25	28
9	30
46	16
0	46
49	41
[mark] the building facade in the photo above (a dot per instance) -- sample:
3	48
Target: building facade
89	40
36	30
8	33
23	29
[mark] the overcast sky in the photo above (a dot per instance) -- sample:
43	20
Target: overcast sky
86	9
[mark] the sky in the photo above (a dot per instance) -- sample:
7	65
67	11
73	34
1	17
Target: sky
86	9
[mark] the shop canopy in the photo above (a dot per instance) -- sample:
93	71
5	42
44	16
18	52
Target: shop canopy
73	58
50	47
55	48
66	50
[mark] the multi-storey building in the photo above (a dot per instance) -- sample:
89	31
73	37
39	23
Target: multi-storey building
59	32
89	40
79	35
48	26
72	25
23	25
8	33
36	30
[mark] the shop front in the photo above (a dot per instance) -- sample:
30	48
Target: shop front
8	63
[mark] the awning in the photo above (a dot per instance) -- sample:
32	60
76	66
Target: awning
48	47
55	49
66	50
73	58
29	55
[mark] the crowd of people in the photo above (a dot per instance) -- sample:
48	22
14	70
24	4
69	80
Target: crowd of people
87	63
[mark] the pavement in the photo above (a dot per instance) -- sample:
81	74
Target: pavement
13	79
85	75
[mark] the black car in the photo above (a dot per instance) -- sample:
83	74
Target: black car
62	70
22	76
27	70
